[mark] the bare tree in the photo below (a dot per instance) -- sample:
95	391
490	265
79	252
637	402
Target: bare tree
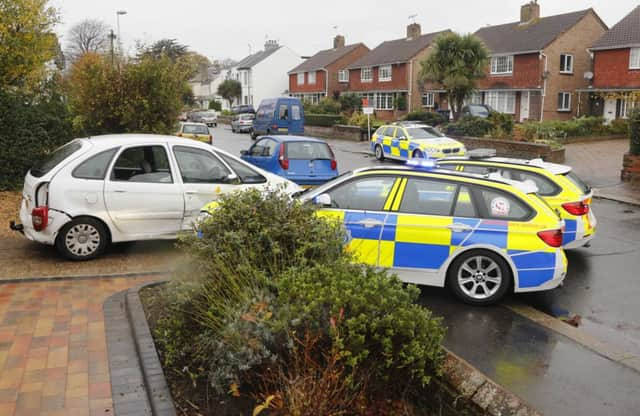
88	36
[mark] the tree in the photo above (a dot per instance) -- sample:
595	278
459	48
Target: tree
215	105
456	63
229	90
88	36
165	47
27	43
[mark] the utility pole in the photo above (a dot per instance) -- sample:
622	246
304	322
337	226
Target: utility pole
112	37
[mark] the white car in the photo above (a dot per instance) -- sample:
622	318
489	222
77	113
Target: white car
95	191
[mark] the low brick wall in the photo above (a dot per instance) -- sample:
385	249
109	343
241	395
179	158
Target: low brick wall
588	139
631	169
336	132
225	119
514	149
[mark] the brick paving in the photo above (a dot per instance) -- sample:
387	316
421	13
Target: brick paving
53	352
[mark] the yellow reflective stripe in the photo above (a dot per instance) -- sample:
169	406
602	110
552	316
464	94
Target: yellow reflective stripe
460	168
392	194
398	198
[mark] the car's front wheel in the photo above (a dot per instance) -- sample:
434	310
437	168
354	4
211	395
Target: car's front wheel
379	153
479	277
417	154
84	238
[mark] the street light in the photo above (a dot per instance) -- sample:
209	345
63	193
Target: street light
118	14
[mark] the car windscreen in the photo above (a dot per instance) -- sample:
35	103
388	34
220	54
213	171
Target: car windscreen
423	133
195	129
575	179
266	110
247	117
478	111
54	158
308	151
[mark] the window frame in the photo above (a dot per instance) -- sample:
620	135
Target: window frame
386	68
566	104
634	58
481	208
432	99
311	77
122	150
361	178
341	78
108	165
454	197
368	70
568	68
300	78
506	101
495	64
196	149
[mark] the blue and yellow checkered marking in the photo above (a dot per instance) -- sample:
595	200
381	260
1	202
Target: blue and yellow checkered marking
570	229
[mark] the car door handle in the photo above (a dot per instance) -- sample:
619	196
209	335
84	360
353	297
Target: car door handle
370	223
459	228
190	192
119	191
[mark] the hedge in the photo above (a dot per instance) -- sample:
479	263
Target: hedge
323	120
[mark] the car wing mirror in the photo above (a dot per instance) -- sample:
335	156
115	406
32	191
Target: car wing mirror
244	152
322	200
402	138
231	178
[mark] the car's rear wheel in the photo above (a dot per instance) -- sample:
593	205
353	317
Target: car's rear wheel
417	154
83	238
379	153
479	277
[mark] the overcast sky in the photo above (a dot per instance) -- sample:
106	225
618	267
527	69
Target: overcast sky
219	29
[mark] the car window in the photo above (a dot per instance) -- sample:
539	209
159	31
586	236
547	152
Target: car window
200	166
95	167
380	131
264	148
295	112
545	186
502	206
464	204
479	111
424	196
575	179
194	129
308	151
367	194
43	167
246	117
423	133
243	170
283	112
266	110
390	131
142	164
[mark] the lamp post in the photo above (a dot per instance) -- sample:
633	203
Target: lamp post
118	14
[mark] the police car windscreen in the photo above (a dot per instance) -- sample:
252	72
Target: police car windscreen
423	133
308	151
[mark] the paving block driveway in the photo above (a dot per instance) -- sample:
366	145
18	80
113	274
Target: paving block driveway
53	352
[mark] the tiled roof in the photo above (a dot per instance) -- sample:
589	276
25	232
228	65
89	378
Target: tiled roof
517	38
253	59
324	58
399	50
625	33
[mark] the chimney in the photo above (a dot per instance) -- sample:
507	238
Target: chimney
338	42
529	12
271	45
413	30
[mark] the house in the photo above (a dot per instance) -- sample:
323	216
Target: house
322	75
387	76
262	74
615	86
204	86
538	63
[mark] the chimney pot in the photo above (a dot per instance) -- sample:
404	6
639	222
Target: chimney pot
338	42
414	30
529	12
270	45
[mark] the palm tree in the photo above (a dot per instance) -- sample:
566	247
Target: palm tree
456	63
230	89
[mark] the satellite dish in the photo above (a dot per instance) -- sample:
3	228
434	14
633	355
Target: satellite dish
588	75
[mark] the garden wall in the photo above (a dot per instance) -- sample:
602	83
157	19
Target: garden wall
338	131
514	149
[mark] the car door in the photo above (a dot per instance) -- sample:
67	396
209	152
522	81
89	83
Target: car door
141	194
264	154
296	122
362	204
394	143
204	177
283	113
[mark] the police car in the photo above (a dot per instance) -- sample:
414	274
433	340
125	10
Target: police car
404	142
557	184
480	237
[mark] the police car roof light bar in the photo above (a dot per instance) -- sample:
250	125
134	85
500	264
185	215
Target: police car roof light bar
425	164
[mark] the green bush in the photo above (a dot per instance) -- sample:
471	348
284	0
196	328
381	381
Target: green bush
323	120
557	129
350	102
360	120
469	126
326	106
429	117
215	105
502	125
634	131
400	103
619	126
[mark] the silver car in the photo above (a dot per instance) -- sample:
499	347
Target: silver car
243	123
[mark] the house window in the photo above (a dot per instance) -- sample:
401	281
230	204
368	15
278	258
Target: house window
384	101
427	99
634	58
502	64
366	74
384	73
311	77
343	75
501	101
564	101
566	64
300	78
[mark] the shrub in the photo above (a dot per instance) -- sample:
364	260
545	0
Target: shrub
350	102
502	125
469	126
556	129
324	120
360	120
400	103
215	105
429	117
326	106
634	131
619	126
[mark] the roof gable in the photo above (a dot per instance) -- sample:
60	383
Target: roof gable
530	37
624	33
325	58
398	50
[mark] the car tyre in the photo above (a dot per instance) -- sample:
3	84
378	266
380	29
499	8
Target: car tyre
83	238
417	154
379	152
479	277
253	135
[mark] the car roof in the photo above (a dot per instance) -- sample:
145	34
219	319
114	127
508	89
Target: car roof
192	123
110	140
555	168
408	125
285	139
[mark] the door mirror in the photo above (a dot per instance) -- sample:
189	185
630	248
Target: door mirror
231	178
402	138
323	200
244	152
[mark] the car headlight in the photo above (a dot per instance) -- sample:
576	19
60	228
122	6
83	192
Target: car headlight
431	150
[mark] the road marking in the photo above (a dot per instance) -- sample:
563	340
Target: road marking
577	335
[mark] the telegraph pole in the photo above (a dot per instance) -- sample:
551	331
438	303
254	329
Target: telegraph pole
112	37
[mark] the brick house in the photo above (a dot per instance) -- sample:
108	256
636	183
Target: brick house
322	75
390	72
615	86
537	64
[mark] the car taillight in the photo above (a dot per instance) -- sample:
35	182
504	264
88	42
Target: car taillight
281	158
275	126
334	162
40	218
210	138
551	237
179	134
576	208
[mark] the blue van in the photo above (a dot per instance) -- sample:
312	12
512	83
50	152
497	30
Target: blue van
283	115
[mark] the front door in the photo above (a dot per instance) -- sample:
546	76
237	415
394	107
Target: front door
524	105
609	110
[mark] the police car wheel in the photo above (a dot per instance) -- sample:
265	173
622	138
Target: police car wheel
379	153
479	277
84	238
417	154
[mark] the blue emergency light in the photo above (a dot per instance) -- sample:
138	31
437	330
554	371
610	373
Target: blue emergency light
423	164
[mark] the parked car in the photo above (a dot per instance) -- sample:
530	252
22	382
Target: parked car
242	109
557	184
100	190
477	110
413	141
479	237
304	160
243	123
210	118
196	131
279	116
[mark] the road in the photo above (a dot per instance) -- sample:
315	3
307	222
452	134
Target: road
558	374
